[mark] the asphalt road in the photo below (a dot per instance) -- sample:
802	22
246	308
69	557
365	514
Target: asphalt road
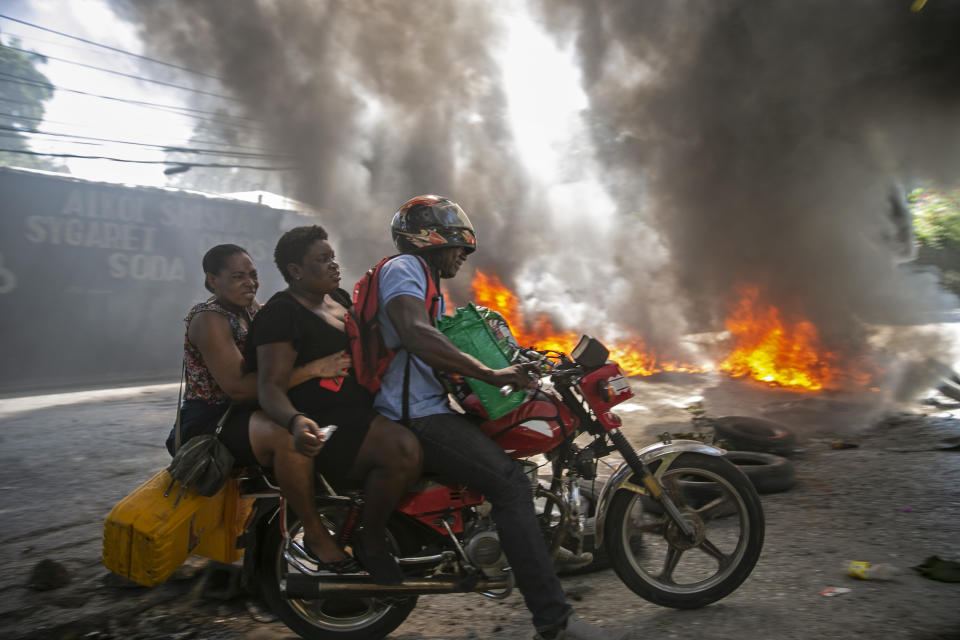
65	460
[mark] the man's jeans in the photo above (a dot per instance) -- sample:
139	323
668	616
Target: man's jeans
457	450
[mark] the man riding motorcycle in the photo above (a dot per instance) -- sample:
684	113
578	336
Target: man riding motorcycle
438	230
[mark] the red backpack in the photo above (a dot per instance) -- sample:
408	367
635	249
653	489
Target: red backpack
367	348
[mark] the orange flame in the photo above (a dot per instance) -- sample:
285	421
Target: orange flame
768	348
633	356
788	354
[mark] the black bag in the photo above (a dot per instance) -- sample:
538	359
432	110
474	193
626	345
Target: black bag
203	463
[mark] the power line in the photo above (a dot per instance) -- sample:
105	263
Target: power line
15	101
108	47
121	73
172	147
230	147
165	147
163	162
246	127
12	36
8	77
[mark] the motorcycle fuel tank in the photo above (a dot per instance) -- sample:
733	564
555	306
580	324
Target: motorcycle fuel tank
536	426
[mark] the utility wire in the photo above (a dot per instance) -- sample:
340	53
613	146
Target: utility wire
121	73
165	147
15	101
186	115
104	46
88	126
228	147
257	150
8	77
164	162
11	36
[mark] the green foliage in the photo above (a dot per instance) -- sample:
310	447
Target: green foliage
23	90
936	217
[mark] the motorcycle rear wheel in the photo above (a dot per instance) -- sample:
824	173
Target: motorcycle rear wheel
657	562
335	618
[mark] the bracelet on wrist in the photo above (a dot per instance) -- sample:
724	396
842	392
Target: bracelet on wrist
292	418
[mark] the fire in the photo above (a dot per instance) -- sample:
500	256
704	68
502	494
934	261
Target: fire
771	350
633	357
767	348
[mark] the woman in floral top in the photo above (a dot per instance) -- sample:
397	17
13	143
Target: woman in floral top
215	376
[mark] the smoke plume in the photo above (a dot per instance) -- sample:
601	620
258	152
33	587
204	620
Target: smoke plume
764	140
376	101
743	143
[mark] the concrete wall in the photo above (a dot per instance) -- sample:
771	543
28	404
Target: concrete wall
95	278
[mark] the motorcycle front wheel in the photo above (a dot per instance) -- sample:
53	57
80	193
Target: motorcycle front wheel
658	562
333	618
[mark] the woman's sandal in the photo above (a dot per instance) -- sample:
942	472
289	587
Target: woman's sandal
296	551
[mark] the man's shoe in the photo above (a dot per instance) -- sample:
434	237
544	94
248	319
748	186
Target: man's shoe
577	629
567	560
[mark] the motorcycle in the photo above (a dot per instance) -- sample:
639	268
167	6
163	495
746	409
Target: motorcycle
681	526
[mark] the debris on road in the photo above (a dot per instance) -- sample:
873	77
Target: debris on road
48	575
936	568
834	591
872	571
843	444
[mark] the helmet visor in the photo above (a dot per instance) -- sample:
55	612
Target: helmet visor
451	215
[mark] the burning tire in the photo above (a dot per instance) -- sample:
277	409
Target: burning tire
743	433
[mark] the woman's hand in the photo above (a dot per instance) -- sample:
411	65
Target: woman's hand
307	438
336	365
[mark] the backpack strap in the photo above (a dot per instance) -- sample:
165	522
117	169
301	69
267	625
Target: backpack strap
433	291
432	299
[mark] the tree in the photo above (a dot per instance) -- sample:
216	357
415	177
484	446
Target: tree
936	225
23	90
936	217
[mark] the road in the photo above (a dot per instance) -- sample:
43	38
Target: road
895	498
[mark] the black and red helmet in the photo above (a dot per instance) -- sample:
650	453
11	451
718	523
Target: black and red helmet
432	222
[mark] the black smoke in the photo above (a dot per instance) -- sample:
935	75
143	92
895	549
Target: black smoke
377	102
744	143
764	139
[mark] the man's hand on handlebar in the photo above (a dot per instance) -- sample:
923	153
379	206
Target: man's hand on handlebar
518	376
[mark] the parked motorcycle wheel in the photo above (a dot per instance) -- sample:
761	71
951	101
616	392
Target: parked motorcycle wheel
656	561
335	618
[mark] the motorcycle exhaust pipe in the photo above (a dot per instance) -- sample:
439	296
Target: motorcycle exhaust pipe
297	586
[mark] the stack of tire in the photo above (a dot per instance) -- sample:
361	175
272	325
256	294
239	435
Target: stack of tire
759	448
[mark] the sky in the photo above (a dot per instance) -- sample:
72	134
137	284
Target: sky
93	117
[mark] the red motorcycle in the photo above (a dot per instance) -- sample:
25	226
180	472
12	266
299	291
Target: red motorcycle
682	526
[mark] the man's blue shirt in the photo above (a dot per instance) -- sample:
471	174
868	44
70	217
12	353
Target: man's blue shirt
404	275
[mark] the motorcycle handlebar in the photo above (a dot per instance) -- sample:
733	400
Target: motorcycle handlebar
547	368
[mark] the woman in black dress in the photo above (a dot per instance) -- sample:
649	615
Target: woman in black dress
300	324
